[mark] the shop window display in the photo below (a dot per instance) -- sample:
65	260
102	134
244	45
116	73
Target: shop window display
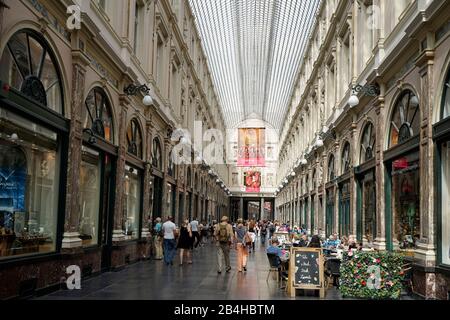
132	202
29	186
406	197
29	67
90	174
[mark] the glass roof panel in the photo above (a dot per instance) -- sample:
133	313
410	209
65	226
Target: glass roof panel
254	49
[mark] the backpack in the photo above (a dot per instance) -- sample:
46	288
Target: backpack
223	233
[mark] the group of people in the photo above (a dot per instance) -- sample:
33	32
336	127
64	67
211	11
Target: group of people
240	236
167	238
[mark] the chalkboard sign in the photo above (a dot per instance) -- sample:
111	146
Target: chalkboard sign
306	268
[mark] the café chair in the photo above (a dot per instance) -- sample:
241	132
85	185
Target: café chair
274	262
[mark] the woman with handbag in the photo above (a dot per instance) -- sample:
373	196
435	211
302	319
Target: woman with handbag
185	241
242	237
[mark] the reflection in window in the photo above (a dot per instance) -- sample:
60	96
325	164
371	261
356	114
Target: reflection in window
89	196
97	114
331	174
134	139
405	119
367	144
132	203
346	158
29	166
28	65
156	156
406	197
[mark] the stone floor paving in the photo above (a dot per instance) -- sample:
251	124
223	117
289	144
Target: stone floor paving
152	280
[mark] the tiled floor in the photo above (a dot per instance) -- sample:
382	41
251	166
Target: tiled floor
152	280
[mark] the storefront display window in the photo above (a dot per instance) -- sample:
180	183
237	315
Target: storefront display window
132	202
28	66
90	174
29	186
369	208
445	203
406	205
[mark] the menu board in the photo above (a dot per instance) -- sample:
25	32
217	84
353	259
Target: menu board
306	268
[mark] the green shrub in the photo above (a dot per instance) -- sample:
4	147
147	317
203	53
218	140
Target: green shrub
360	277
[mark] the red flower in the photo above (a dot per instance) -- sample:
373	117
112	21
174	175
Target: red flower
363	283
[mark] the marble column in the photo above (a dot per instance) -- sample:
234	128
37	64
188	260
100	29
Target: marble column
380	240
71	236
118	234
425	254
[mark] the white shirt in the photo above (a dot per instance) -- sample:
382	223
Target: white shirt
194	226
169	227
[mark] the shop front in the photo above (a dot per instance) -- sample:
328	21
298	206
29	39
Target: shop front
441	136
330	198
98	162
344	192
403	176
158	180
366	214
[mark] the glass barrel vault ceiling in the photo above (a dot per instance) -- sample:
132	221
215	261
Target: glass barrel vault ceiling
254	49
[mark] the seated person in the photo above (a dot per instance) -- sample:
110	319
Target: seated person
303	241
315	242
275	249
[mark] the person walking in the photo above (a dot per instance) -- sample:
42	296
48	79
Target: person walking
185	242
195	232
251	231
263	232
223	234
158	238
241	234
170	245
203	234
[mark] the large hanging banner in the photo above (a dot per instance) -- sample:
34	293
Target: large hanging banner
251	147
13	173
252	181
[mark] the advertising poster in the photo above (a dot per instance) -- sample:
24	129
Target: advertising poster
251	150
252	181
12	183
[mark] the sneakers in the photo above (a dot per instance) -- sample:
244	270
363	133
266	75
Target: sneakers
228	269
245	269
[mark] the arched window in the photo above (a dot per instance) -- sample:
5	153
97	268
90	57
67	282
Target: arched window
446	98
29	66
331	174
405	118
314	182
97	115
171	165
189	177
346	159
156	155
368	139
134	139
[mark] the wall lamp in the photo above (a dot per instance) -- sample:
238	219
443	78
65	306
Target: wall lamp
367	90
133	90
91	139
